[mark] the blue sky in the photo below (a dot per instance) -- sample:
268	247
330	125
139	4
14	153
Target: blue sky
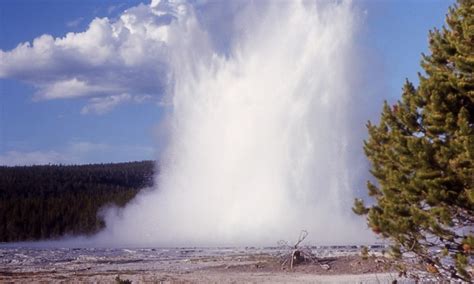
120	121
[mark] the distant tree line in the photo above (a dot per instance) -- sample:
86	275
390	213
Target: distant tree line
43	202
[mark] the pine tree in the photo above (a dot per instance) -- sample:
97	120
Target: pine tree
422	156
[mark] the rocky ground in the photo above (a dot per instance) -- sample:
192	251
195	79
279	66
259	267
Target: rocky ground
192	265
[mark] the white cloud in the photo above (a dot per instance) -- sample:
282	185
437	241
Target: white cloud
111	57
154	3
70	89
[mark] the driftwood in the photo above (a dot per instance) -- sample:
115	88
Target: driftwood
297	254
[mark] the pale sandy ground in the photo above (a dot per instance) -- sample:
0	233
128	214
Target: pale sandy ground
199	276
194	265
212	277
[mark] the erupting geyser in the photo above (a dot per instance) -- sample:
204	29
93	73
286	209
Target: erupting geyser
265	137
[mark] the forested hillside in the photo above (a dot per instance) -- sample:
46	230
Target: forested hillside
41	202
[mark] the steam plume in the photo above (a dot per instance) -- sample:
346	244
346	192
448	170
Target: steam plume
265	139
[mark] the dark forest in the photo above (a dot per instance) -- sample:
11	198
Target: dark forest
46	202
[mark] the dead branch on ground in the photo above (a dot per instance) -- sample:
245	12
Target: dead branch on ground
295	254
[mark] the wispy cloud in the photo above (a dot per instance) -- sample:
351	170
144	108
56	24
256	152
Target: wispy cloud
102	105
114	8
105	104
78	152
17	158
74	23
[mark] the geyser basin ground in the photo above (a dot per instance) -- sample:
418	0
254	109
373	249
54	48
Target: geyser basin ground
205	265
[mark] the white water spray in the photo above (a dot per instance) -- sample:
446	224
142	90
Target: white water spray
265	140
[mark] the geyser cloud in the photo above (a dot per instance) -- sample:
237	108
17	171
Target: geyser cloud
264	138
